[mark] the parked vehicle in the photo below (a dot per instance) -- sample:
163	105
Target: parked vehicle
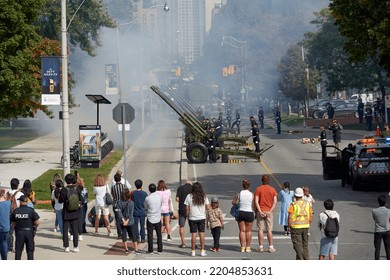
342	108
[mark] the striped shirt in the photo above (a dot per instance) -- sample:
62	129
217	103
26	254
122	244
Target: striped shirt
116	191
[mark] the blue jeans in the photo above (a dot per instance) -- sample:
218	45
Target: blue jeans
139	220
59	220
4	245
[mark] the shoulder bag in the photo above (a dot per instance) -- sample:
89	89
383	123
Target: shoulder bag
234	211
107	197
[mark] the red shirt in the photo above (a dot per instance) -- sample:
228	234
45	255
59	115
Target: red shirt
265	194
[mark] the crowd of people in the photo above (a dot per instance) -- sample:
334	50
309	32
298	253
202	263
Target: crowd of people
135	208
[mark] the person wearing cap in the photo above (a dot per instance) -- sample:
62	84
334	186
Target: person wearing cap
299	220
336	132
25	221
278	119
214	218
265	201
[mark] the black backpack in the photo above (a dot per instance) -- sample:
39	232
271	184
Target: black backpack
331	227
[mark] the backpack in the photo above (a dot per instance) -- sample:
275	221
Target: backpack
331	227
73	201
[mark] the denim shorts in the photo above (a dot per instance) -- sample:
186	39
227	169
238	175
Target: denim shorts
328	246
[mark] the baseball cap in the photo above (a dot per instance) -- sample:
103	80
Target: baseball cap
298	192
214	199
23	198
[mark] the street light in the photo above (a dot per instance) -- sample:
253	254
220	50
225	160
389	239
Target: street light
165	9
243	45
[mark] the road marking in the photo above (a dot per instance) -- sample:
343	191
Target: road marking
271	174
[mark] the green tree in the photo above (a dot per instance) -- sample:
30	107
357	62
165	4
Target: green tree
87	21
18	48
366	25
327	53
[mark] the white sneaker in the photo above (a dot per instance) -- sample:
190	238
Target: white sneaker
67	250
55	230
76	250
203	253
192	253
80	238
110	234
71	238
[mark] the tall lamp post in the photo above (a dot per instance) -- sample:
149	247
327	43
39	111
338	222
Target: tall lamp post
165	9
243	45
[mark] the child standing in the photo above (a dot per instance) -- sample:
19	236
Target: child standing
286	197
308	197
215	219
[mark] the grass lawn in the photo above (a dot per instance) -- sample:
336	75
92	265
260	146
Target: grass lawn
292	120
12	137
42	183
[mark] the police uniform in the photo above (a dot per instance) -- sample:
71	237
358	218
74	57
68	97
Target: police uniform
229	118
324	142
330	111
256	137
24	219
278	119
260	115
360	110
369	118
212	144
237	121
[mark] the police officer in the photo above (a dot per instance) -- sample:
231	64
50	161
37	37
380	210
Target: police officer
368	116
323	141
218	127
25	221
256	136
260	115
330	111
278	119
360	110
252	120
346	154
237	122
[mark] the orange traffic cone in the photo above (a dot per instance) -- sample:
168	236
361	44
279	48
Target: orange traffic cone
378	131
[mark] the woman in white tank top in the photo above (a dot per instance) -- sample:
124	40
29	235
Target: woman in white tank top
246	215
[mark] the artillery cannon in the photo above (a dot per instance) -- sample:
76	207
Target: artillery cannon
196	137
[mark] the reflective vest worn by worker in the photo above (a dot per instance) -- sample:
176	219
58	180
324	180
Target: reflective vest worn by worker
301	214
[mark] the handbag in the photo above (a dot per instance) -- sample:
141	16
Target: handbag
234	211
108	198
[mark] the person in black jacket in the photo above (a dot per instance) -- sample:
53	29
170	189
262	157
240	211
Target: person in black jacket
323	141
70	217
256	137
25	222
278	119
237	122
260	115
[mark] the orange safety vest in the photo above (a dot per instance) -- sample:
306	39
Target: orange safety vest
301	215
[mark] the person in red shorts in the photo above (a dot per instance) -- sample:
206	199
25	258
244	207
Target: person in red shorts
265	201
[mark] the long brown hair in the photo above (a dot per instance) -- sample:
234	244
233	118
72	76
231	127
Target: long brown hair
161	186
198	195
99	180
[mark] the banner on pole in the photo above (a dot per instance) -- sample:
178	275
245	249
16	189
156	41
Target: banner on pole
50	67
111	79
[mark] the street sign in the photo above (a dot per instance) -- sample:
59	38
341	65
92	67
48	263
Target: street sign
123	117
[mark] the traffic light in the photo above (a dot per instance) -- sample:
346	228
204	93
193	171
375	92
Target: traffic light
225	71
178	71
231	69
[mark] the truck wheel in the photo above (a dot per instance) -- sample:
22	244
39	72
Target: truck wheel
196	153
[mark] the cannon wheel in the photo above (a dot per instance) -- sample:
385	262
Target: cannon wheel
196	152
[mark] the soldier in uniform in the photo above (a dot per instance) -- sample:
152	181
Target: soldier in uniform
212	144
229	118
237	122
25	221
360	110
260	115
346	154
206	124
256	136
278	119
218	127
323	141
368	116
252	120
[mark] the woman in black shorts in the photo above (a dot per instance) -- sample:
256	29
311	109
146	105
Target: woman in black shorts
246	215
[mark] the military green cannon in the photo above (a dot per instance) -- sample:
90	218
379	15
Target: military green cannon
196	138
